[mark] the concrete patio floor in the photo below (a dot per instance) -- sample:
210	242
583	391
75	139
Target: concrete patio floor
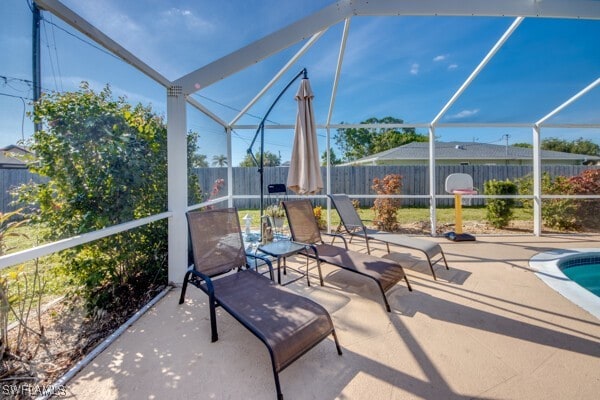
488	328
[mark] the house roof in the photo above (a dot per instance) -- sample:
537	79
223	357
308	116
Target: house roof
15	149
7	161
468	151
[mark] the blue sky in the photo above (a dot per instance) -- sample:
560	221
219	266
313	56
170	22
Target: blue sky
405	67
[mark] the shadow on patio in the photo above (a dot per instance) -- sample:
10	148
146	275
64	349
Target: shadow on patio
488	329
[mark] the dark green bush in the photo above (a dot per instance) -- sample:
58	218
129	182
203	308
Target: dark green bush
499	211
106	164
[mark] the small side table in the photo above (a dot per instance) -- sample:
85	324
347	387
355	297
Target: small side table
281	250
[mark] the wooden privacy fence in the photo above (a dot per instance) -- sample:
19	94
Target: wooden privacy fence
357	180
353	180
11	178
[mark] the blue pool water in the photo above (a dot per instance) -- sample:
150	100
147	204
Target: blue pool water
585	275
574	273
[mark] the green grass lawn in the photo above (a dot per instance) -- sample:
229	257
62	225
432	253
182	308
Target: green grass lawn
20	278
27	281
406	215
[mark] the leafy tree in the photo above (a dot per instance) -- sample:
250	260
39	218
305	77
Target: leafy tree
556	144
220	160
579	146
393	138
269	160
106	163
356	143
523	145
198	160
333	159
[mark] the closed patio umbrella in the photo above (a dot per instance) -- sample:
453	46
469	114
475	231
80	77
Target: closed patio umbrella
304	176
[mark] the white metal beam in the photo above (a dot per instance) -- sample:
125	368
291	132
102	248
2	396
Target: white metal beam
229	168
177	183
479	68
426	125
83	26
282	71
537	181
262	48
569	102
589	9
200	107
338	70
23	256
340	10
432	182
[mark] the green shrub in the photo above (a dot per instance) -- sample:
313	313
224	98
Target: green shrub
499	211
106	164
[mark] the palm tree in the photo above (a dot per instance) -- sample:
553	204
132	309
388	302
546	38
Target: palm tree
219	161
198	160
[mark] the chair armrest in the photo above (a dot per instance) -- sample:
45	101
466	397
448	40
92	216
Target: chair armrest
335	235
210	290
263	258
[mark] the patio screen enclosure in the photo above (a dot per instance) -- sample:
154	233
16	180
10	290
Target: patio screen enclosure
308	31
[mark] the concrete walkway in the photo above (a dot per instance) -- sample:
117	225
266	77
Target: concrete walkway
487	329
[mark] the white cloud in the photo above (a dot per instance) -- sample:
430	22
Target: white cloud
414	69
452	66
177	16
439	58
464	114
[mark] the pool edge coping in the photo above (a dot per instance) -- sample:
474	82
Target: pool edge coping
546	267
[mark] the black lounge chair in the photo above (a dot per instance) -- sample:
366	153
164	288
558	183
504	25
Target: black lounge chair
304	229
287	323
354	226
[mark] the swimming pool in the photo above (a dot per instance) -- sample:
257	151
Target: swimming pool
574	273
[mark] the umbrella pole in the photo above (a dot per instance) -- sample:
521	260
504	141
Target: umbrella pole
261	170
261	130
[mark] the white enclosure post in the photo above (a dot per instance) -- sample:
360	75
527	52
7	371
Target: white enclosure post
229	168
177	183
537	182
432	202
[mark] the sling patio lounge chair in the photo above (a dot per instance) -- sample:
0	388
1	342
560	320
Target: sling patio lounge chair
354	226
304	229
287	323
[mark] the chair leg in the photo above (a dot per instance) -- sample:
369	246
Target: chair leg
385	300
213	319
431	268
307	279
319	269
445	262
407	283
337	344
276	376
184	287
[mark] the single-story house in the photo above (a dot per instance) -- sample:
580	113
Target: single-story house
470	153
7	159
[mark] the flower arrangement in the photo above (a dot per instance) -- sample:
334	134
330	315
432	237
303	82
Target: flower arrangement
275	211
320	217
